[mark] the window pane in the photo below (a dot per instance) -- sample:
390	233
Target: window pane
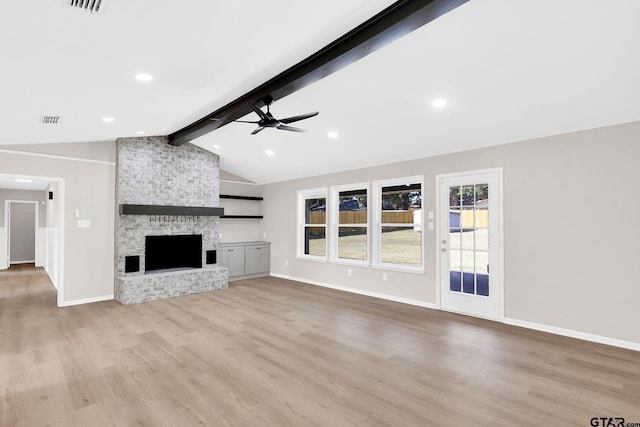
352	243
482	262
455	260
467	195
455	277
454	238
454	220
399	202
482	239
467	218
468	283
482	216
315	211
401	245
454	196
467	261
353	207
315	242
482	194
466	238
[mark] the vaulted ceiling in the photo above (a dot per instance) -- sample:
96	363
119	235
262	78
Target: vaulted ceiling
508	70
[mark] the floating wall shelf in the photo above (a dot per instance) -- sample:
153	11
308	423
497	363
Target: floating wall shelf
126	209
234	197
229	196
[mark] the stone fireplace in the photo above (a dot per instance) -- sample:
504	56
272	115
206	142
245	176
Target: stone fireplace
167	220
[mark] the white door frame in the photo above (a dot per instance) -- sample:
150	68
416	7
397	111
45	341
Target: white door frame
7	226
500	213
60	196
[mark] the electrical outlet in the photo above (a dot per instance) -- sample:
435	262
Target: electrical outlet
384	276
220	236
264	234
286	262
349	272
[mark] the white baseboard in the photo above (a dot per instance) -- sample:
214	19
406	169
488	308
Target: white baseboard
573	334
359	291
514	322
29	261
86	300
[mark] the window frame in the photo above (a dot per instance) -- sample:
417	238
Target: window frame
302	197
334	223
376	228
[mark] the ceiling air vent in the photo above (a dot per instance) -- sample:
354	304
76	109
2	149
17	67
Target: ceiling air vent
49	120
92	6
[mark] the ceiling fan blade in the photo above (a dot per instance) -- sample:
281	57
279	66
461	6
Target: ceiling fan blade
257	130
298	118
259	112
291	128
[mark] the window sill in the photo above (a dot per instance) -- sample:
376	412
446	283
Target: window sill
399	268
311	258
354	263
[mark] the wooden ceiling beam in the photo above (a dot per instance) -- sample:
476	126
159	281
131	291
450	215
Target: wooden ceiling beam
397	20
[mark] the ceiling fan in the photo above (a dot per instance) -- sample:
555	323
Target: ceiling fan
268	121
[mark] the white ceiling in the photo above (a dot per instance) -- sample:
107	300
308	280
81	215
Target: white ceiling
510	70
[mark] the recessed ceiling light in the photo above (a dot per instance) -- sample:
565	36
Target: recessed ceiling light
144	77
269	153
140	132
22	180
333	135
216	146
439	103
108	119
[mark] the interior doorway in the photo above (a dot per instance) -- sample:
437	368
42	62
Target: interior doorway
22	218
50	235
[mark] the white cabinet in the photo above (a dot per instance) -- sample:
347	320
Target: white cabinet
232	258
245	259
257	259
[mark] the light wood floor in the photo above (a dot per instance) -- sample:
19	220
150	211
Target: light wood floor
271	352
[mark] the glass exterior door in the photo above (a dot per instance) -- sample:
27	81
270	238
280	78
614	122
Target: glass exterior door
470	253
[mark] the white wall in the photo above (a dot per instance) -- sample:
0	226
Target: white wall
570	243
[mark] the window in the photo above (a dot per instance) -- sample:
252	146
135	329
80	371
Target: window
349	221
398	237
312	224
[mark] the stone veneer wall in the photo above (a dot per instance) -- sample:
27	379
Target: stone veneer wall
149	171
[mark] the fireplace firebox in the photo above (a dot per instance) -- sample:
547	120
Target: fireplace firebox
172	252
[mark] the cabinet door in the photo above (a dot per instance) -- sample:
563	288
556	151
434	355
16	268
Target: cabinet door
257	259
233	259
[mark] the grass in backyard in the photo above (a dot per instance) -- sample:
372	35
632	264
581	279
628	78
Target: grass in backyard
398	247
